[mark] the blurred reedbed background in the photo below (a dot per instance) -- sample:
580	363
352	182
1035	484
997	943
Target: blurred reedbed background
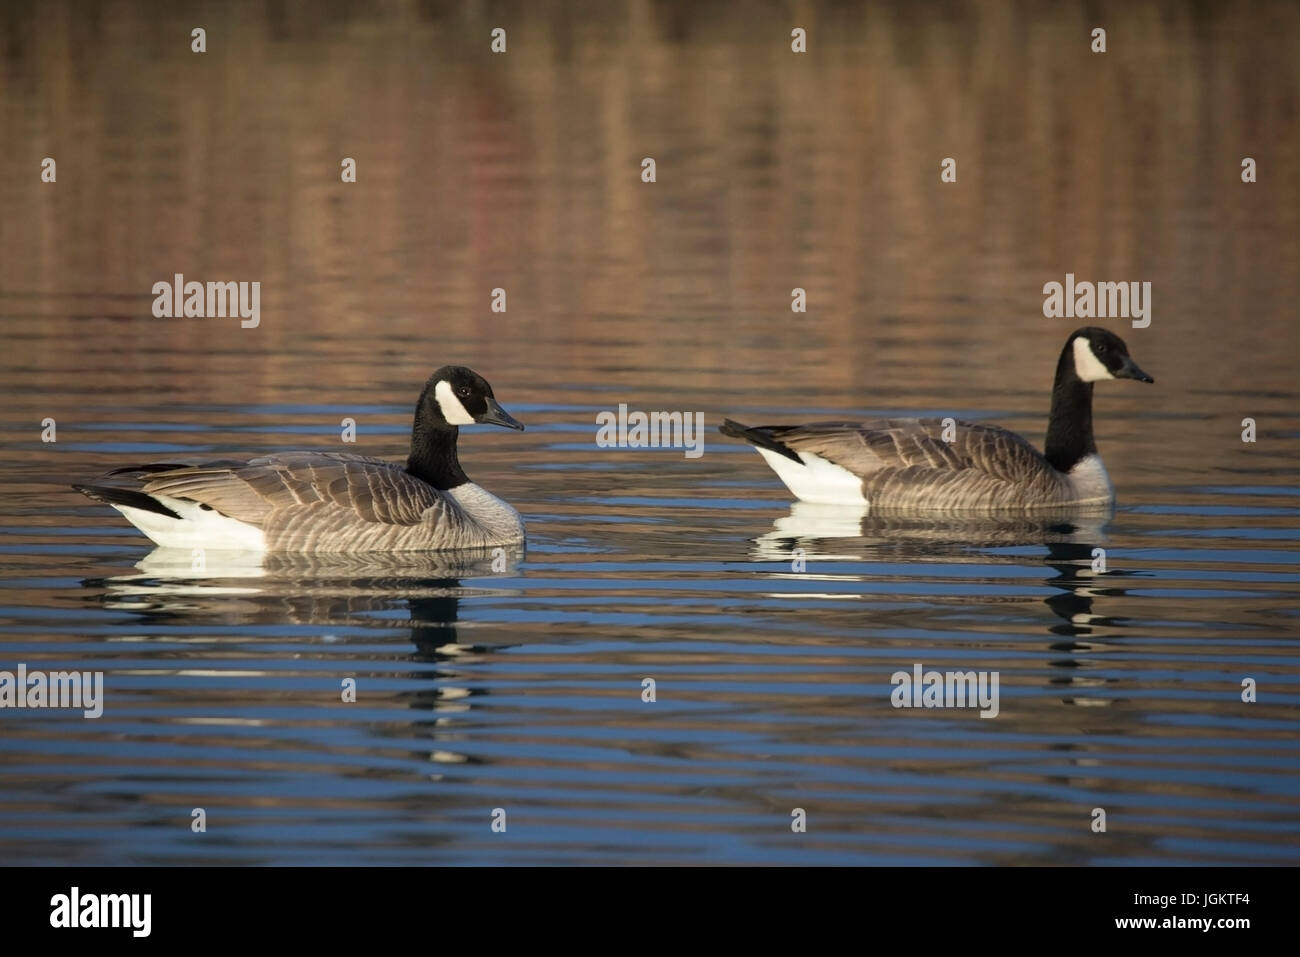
775	171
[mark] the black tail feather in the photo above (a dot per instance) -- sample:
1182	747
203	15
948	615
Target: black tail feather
125	496
760	436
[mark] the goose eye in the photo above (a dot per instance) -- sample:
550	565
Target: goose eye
463	392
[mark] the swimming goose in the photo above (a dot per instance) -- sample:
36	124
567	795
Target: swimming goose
906	464
332	501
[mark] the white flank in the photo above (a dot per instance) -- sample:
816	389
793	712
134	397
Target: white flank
1091	482
196	528
1086	364
452	410
819	481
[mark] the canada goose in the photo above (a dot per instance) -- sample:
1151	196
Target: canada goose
906	464
332	501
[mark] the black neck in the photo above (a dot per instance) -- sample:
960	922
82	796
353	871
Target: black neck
433	451
1069	430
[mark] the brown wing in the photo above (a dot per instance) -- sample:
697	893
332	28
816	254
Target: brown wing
907	461
865	447
366	489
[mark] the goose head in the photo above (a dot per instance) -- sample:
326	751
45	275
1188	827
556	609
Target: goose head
455	395
1099	354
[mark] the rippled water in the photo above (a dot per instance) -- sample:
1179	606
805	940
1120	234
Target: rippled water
771	631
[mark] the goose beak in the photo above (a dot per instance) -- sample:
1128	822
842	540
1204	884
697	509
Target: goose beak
495	415
1130	370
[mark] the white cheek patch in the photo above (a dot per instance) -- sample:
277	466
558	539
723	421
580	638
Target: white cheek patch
1086	364
452	410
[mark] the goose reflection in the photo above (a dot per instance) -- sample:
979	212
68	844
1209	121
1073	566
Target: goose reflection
1076	555
1083	575
819	529
177	588
345	598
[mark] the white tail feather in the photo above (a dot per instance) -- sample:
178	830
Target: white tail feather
818	481
197	527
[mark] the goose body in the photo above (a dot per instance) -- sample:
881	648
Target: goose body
906	463
331	502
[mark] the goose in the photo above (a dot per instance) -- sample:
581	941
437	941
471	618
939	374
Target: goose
330	502
906	464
